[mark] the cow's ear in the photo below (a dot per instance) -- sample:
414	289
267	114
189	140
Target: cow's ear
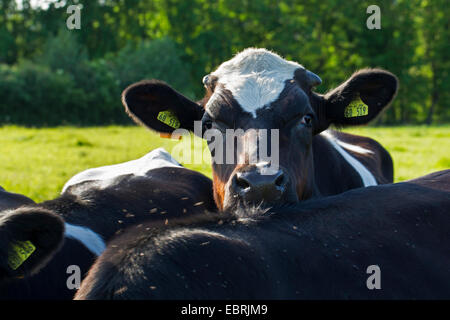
159	107
29	237
358	100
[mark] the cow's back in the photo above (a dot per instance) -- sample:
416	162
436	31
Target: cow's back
319	250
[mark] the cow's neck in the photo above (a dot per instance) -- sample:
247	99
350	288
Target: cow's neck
338	171
307	187
90	228
313	190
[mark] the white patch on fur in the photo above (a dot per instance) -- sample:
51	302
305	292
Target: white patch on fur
87	237
366	176
155	159
354	148
255	77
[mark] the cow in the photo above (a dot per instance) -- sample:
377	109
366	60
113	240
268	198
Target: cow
9	200
257	89
94	206
382	242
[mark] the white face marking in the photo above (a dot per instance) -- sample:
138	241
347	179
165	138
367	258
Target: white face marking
86	236
366	176
255	77
155	159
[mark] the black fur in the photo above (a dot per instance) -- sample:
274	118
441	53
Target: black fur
44	229
162	195
10	200
317	250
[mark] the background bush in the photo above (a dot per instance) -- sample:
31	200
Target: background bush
35	94
51	76
60	86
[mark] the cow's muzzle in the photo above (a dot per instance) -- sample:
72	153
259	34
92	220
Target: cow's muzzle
259	184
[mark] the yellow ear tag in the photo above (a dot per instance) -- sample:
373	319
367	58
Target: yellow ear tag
19	253
356	108
168	117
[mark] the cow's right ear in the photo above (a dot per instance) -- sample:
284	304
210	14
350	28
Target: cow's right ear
29	237
159	107
358	100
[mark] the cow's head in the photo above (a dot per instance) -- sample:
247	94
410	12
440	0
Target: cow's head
258	89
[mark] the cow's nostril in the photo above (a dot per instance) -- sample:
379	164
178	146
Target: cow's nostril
280	180
242	183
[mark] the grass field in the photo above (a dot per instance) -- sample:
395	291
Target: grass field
37	162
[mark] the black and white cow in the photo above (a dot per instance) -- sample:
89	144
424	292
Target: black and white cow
257	89
95	205
10	200
396	234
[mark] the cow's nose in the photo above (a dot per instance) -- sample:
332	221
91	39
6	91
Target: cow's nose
256	186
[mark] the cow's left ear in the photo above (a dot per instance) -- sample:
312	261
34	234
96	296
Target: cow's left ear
156	105
29	237
358	100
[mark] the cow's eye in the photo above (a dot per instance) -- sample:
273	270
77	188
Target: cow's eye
307	120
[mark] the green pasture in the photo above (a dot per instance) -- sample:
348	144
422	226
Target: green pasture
37	162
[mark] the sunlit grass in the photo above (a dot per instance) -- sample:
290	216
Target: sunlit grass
37	162
416	150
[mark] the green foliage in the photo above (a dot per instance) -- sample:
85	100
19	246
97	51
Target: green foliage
35	95
63	87
180	41
157	59
31	92
63	52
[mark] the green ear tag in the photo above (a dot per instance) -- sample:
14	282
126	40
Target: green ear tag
356	108
19	253
168	117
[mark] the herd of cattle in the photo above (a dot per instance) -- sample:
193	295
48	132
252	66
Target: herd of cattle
152	229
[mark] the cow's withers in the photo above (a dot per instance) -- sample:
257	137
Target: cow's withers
257	93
